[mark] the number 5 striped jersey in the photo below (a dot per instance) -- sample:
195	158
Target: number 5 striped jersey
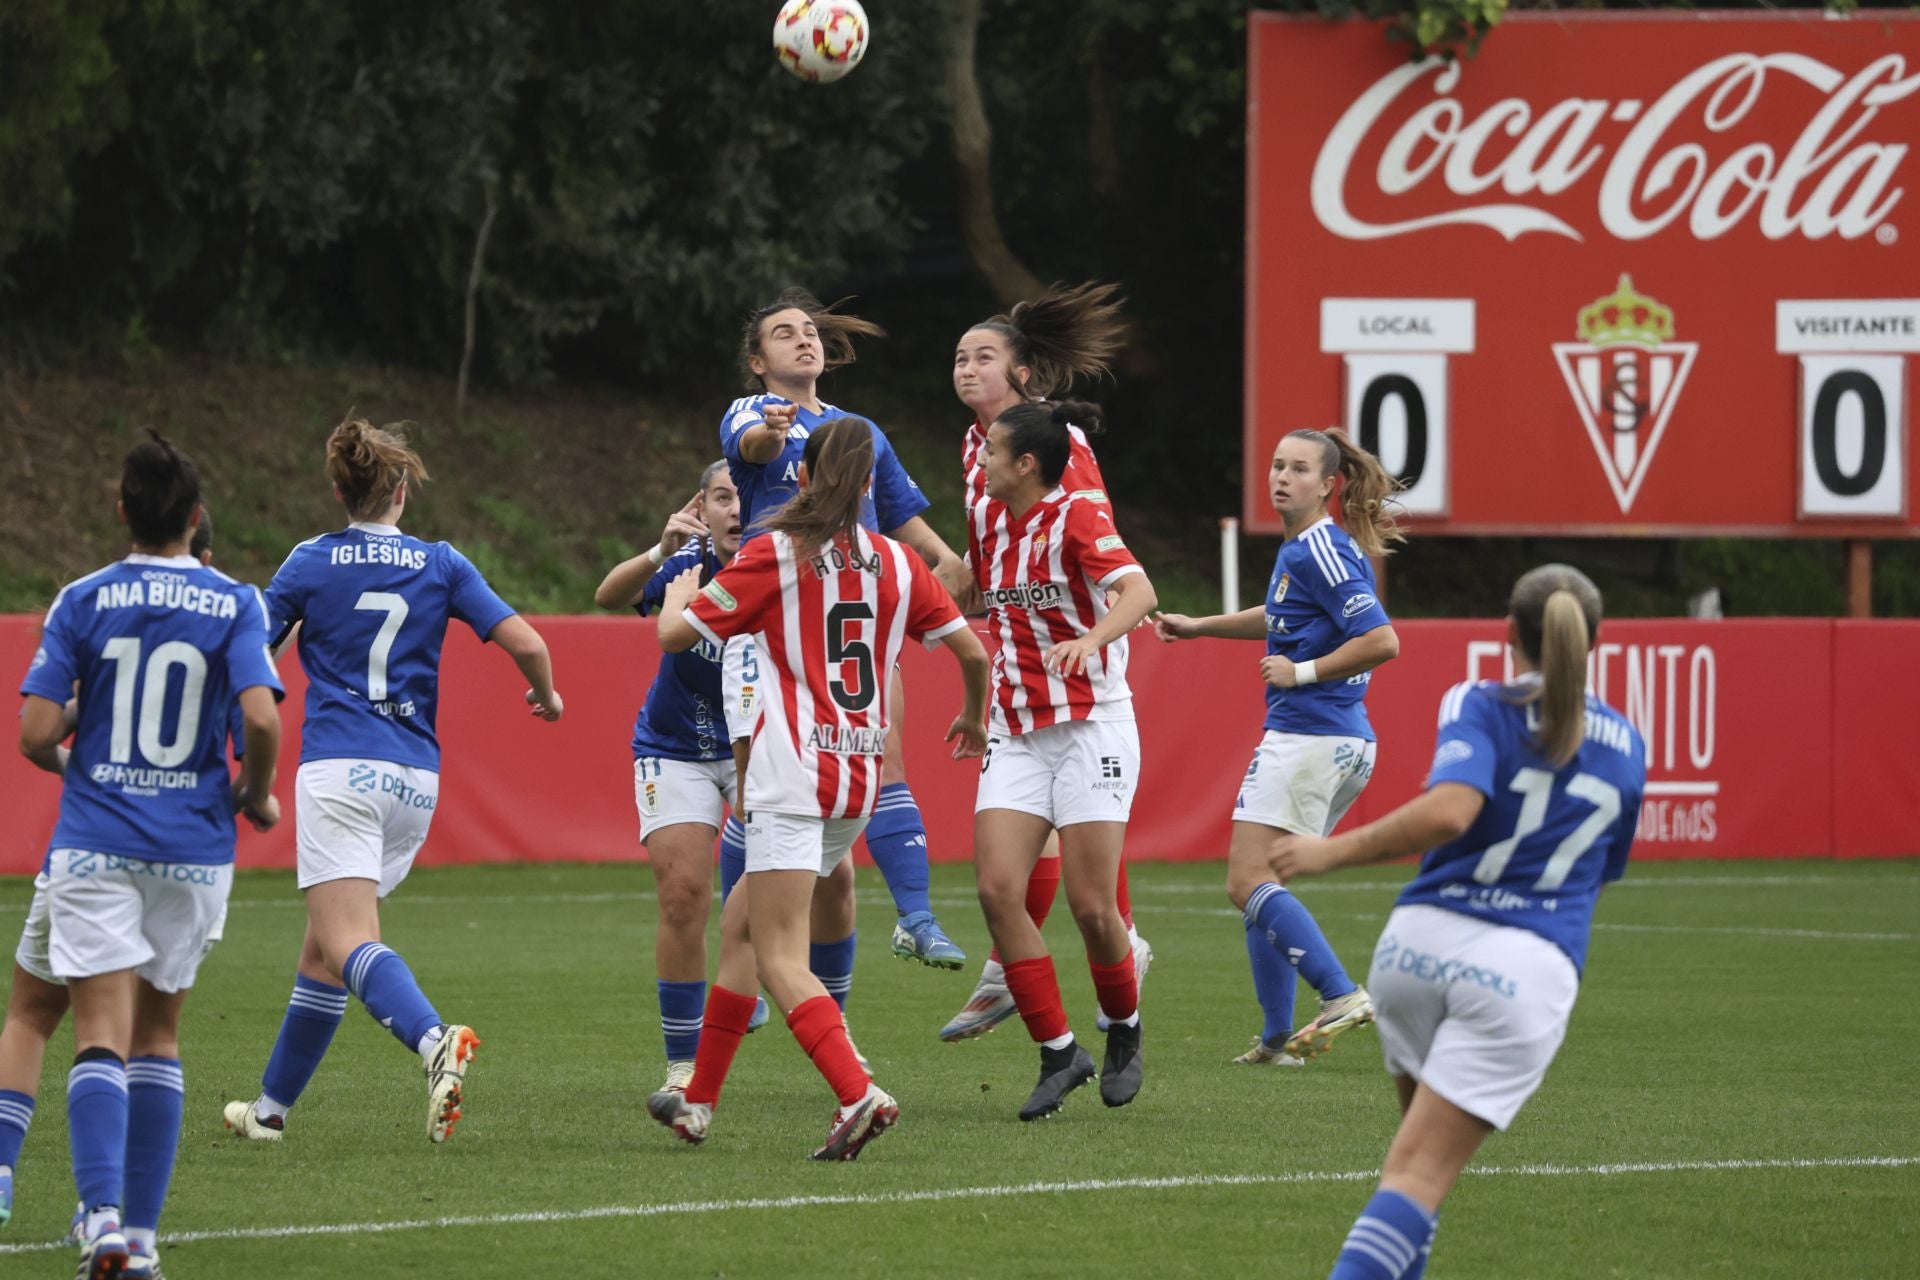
373	605
1045	576
1547	839
830	627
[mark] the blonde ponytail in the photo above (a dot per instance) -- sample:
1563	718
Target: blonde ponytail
368	464
1367	490
1556	615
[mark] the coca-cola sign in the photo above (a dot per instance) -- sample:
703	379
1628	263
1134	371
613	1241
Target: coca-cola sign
1729	165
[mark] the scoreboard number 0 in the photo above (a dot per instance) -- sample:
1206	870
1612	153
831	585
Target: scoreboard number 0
1853	436
1396	409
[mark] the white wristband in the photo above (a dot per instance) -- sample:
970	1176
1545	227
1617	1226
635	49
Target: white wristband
1304	673
653	554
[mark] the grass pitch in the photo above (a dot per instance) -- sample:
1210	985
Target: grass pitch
1736	1098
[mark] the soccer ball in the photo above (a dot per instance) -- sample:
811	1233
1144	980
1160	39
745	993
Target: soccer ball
820	39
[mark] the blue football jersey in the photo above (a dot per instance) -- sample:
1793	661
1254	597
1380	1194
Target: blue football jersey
683	716
1321	595
161	649
1547	839
766	487
373	605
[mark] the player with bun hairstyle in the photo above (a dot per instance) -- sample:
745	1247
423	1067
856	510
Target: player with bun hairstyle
140	864
1529	811
1063	753
829	604
1325	632
1038	349
784	349
372	606
37	999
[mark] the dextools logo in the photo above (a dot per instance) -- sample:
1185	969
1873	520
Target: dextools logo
1784	140
1626	374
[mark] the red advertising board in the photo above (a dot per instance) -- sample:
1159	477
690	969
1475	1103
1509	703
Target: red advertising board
1783	738
1616	273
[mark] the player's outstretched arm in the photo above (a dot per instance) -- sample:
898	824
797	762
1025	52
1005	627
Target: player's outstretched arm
946	564
1362	653
260	734
1427	821
970	726
1248	624
529	652
1131	598
762	442
624	583
676	633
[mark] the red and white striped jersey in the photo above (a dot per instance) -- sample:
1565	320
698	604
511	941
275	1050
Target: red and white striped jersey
987	518
829	628
1045	579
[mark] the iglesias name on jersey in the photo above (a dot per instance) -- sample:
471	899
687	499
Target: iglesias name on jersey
373	605
1547	839
829	628
1045	583
1321	595
682	718
987	517
765	487
161	648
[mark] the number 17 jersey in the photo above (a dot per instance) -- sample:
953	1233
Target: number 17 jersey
373	605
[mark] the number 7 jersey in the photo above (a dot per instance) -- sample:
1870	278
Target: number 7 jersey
1547	839
829	627
373	605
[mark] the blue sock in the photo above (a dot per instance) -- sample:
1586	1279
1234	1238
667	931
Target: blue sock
382	981
682	1007
16	1113
832	963
156	1095
313	1014
1274	983
733	856
97	1126
1387	1242
897	843
1290	929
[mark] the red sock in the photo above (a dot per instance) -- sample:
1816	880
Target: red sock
1042	886
1117	987
816	1025
728	1013
1036	994
1123	899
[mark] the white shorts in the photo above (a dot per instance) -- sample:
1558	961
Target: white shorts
1072	772
669	793
1473	1010
107	913
361	820
739	686
36	936
794	842
1303	783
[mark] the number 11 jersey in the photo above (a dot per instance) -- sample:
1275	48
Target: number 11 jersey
373	605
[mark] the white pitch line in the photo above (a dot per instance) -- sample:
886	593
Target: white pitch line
1632	881
1172	1182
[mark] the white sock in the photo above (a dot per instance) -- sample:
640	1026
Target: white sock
145	1239
428	1039
98	1220
993	972
1131	1020
1058	1042
270	1109
6	1170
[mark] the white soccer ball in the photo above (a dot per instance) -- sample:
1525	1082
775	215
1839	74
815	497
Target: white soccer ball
820	40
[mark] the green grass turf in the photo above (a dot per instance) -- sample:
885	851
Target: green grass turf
1714	1027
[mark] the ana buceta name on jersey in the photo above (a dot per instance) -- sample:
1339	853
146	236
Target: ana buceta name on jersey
839	741
167	591
379	551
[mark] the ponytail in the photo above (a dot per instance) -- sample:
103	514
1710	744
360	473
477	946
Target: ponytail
1041	428
368	464
839	462
1556	615
1061	335
159	489
1366	490
836	328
